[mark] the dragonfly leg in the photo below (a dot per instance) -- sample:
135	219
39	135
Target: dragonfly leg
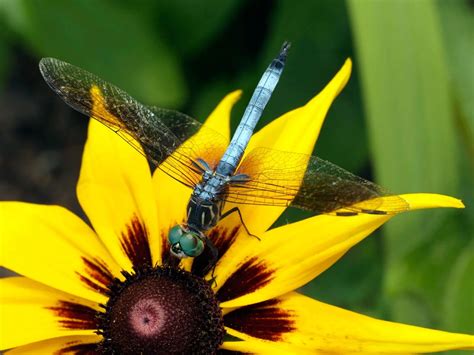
213	262
236	209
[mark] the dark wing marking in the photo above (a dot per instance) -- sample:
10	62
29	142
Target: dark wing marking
279	178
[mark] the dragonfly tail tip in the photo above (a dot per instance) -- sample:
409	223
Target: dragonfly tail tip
285	47
284	50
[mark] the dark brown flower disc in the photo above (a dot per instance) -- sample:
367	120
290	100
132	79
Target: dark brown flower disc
161	311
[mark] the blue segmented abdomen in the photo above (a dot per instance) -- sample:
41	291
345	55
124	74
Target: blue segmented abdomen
252	114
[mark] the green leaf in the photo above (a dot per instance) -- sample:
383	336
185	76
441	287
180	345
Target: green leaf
4	53
104	38
459	300
457	21
405	82
414	145
423	275
190	25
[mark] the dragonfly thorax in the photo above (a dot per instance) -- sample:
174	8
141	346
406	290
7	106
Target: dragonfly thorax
210	187
203	214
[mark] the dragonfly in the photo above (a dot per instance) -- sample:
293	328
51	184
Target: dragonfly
216	171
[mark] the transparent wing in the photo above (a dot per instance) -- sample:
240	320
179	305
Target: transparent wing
209	146
279	178
154	132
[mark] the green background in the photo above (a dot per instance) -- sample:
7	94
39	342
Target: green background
405	120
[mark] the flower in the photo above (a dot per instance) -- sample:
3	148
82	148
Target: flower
116	287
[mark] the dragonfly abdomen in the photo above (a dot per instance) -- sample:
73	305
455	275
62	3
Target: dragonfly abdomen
252	114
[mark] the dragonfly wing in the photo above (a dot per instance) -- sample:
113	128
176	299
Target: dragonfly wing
142	127
205	143
290	179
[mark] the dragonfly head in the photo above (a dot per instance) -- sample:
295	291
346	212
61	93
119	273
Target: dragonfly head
185	242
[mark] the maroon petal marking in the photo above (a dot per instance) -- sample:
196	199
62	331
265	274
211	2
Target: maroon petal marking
167	258
75	316
97	275
222	238
79	349
249	277
265	320
135	244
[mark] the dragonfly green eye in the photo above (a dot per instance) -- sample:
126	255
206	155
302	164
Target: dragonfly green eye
185	243
191	244
175	234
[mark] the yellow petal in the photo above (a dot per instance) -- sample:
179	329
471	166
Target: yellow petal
219	119
171	196
424	201
290	256
304	322
115	189
259	346
75	344
295	131
32	312
51	245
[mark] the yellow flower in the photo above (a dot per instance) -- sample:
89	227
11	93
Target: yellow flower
117	288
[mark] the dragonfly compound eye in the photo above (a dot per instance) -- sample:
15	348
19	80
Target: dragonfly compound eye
175	234
191	244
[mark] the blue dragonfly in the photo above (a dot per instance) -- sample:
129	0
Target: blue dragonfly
215	170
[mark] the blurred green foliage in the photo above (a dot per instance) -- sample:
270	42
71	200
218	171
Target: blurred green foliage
411	90
415	63
103	37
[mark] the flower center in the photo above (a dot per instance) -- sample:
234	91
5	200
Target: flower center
147	317
161	310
